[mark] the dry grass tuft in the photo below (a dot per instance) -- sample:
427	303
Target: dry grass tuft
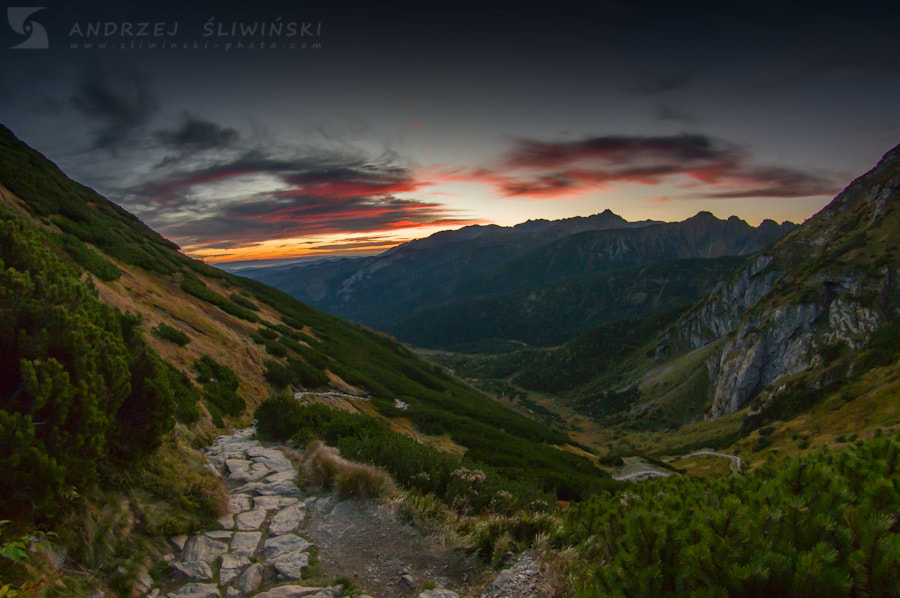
324	466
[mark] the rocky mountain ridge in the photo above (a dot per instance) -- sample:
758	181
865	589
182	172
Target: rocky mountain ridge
419	290
832	281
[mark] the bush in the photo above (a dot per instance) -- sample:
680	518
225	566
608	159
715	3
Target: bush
173	335
220	385
88	259
194	286
243	302
324	466
83	394
278	417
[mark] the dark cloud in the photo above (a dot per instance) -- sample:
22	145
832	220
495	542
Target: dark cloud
667	112
312	193
775	182
119	107
555	169
195	134
631	153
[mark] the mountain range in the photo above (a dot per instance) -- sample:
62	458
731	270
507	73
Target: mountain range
538	283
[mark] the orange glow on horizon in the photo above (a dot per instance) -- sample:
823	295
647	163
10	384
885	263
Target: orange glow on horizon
328	245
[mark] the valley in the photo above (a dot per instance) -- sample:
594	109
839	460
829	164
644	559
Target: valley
628	408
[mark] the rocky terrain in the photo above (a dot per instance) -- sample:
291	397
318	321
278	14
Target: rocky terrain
833	281
275	534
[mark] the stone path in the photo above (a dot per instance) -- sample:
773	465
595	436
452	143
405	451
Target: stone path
257	551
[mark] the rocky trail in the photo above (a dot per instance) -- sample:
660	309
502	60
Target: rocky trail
275	535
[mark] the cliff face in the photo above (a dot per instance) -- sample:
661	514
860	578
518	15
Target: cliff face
832	281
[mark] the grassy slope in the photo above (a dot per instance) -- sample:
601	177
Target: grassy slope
151	284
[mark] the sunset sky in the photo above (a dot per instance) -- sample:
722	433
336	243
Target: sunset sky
273	130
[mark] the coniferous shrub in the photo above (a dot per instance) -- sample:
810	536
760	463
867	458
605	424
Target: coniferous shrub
80	391
171	334
220	386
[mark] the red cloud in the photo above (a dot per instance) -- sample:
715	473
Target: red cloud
540	169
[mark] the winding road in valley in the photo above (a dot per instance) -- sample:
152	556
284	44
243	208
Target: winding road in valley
639	470
735	460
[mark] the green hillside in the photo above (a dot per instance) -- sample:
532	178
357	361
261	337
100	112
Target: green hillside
119	352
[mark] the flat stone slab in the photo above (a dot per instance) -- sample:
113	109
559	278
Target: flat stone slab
281	476
232	566
249	489
226	521
245	543
273	502
292	592
279	488
287	520
249	521
276	462
235	465
255	472
291	566
280	546
196	590
250	579
220	535
238	503
201	548
194	569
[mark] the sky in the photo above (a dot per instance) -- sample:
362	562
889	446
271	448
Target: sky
309	129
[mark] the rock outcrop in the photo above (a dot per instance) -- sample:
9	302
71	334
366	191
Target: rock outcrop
832	280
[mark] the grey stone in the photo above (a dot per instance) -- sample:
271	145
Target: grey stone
201	548
279	488
250	489
195	590
226	521
250	520
271	458
279	546
194	569
221	535
438	593
282	476
286	520
245	543
232	566
291	592
143	583
178	541
250	579
291	565
261	451
237	465
251	473
238	503
273	503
